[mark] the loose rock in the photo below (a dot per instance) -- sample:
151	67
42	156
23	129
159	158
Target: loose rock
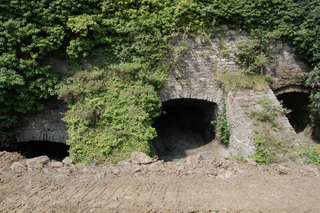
37	163
56	164
67	161
140	158
18	167
250	161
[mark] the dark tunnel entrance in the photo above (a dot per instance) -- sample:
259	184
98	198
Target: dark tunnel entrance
298	103
55	151
184	124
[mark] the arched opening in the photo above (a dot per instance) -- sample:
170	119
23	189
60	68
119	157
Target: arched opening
298	104
31	149
184	124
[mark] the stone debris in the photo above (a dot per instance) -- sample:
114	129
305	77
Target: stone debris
249	161
140	158
193	159
97	175
18	167
68	161
56	164
37	163
282	169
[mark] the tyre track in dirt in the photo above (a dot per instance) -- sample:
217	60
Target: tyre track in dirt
201	186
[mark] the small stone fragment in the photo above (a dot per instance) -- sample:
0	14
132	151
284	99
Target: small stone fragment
193	159
56	164
98	175
250	161
125	162
37	163
46	171
210	171
140	158
282	170
18	167
67	161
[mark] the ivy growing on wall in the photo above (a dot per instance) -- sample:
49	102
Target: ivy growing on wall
128	41
312	80
110	117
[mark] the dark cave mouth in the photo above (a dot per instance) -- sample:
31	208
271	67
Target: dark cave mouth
184	124
31	149
297	102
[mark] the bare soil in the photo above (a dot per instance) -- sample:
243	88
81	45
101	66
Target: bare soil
191	185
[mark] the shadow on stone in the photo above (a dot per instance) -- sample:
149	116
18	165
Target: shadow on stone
185	124
298	103
55	151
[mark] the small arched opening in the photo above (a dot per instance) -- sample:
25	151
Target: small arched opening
31	149
184	124
297	102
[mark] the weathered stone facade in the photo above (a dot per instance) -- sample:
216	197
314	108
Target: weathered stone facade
45	125
193	77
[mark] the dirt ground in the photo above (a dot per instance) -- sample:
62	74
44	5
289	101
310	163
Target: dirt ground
191	185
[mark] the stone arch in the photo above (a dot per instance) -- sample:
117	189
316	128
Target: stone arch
290	89
295	98
185	124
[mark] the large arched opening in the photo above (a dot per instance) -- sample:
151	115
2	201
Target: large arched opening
184	124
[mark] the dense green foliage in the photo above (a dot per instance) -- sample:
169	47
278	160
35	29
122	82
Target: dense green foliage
310	153
254	53
134	35
109	118
262	152
222	126
312	80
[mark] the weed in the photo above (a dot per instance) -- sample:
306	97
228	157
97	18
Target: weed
222	126
225	54
215	68
179	51
234	82
262	153
269	112
253	54
206	54
311	153
203	38
238	157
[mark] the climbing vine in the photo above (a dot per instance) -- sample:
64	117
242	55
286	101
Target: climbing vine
128	42
222	126
312	80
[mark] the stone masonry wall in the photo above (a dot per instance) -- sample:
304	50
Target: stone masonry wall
193	76
45	125
197	62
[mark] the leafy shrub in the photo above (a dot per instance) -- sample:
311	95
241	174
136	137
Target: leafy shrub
269	112
262	153
109	118
312	80
311	152
253	52
129	32
239	156
222	126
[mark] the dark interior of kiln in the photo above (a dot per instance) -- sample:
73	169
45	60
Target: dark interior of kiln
298	103
56	151
184	124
